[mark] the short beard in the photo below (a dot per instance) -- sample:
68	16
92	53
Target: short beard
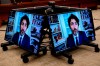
22	32
75	31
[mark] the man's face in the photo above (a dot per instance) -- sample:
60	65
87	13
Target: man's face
74	26
23	26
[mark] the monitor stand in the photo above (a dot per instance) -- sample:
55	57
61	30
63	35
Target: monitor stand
93	45
4	45
69	56
25	55
65	54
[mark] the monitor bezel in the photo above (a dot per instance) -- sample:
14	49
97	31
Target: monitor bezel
41	30
91	19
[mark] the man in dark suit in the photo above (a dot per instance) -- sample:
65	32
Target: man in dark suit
77	37
21	38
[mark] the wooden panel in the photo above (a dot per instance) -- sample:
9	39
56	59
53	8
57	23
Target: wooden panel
91	5
5	8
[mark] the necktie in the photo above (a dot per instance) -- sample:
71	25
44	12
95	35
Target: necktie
20	41
77	41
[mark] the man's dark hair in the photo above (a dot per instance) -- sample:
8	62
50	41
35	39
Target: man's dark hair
26	18
73	17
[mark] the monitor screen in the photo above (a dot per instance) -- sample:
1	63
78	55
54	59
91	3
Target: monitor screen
71	29
24	29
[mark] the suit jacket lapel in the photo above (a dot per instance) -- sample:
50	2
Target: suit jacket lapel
73	43
80	38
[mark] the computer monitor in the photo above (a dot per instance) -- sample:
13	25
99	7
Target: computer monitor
25	30
71	29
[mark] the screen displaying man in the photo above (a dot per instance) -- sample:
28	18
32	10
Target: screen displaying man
21	38
77	37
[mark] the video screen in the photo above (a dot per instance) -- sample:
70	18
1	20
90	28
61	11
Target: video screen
24	30
71	29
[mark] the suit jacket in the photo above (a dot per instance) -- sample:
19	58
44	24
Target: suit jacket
82	38
25	42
